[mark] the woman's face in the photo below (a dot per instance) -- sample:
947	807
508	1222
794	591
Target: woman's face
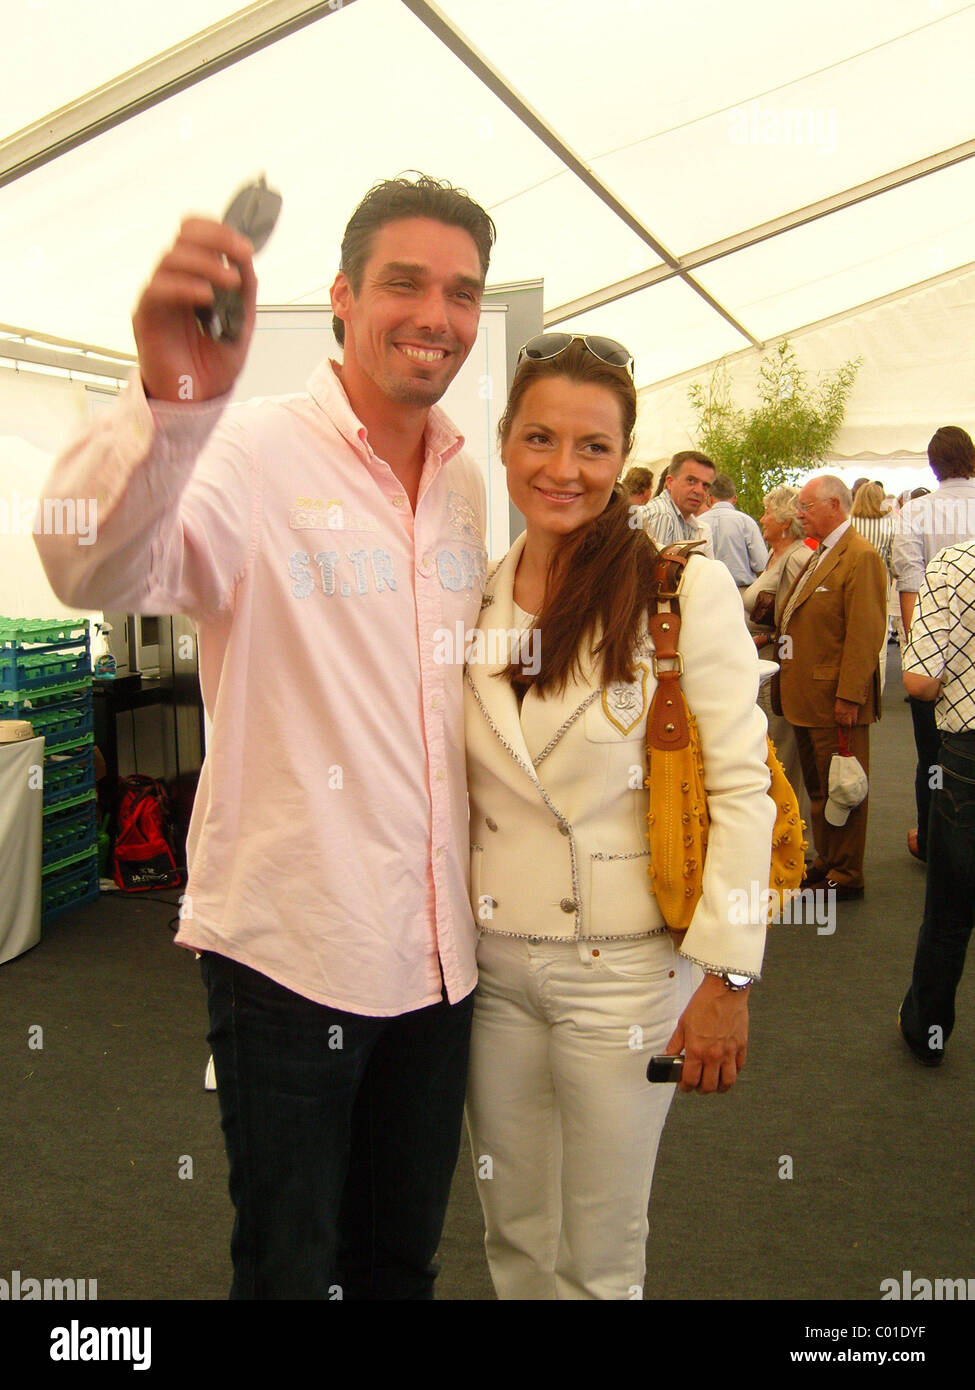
772	528
563	454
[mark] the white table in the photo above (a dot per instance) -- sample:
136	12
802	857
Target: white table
21	834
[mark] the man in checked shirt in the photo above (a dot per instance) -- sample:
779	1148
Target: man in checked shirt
939	665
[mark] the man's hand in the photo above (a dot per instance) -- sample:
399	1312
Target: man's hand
712	1032
845	713
177	360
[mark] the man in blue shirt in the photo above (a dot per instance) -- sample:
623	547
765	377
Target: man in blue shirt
735	536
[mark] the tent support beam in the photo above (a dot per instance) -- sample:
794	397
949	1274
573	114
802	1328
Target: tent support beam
478	64
741	241
154	81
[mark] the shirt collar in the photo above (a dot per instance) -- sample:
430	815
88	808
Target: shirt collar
441	437
830	540
676	510
951	485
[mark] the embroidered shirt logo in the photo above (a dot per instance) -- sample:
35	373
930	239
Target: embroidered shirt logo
461	517
625	703
329	514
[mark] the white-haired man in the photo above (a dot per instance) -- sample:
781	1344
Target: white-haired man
830	635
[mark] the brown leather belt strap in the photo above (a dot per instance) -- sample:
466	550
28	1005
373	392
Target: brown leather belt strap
667	719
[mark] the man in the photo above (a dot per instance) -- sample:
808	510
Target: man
673	515
320	541
939	668
924	527
638	486
735	538
829	639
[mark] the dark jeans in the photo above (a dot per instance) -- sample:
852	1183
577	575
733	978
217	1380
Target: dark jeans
342	1132
927	741
928	1011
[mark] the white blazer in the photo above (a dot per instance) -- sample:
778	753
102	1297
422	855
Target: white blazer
558	806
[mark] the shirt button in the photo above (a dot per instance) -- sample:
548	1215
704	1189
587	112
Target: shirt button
436	702
399	501
425	566
491	824
440	774
568	904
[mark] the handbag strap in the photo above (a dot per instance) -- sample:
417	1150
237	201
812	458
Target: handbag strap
667	726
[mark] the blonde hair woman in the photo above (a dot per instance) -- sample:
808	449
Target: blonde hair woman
764	602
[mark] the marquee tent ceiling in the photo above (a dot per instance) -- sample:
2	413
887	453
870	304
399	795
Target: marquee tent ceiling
690	178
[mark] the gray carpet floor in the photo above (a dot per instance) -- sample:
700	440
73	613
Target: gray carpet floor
835	1163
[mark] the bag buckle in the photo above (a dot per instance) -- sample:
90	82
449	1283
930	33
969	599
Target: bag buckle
677	670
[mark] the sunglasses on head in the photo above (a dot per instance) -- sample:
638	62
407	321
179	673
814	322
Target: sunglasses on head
548	345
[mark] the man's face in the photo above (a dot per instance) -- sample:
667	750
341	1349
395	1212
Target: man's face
818	515
689	489
415	317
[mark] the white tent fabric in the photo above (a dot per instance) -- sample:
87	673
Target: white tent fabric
917	350
691	178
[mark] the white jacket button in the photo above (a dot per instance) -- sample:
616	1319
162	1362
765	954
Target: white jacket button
568	904
563	830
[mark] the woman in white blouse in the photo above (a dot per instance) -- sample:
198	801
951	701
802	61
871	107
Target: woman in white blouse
580	980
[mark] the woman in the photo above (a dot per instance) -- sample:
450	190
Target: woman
580	981
868	516
764	601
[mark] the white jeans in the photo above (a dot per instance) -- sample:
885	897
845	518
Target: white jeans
564	1125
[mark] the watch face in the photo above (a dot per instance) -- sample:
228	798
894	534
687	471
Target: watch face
738	981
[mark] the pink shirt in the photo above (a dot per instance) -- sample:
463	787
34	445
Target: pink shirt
328	847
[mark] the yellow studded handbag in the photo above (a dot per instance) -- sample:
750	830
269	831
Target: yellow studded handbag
678	820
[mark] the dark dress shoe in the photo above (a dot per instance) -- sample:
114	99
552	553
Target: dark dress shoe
814	874
844	892
927	1056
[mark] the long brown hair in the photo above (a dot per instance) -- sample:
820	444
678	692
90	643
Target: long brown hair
599	575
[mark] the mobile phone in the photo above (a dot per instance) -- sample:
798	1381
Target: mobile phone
253	212
665	1068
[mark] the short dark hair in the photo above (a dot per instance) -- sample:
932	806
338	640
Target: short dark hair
722	488
393	200
637	479
951	453
678	461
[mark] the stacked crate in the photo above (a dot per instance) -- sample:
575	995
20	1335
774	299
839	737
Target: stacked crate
45	677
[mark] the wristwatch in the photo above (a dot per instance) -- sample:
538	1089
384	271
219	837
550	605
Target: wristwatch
733	982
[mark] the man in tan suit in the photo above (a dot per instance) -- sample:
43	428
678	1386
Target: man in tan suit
830	635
